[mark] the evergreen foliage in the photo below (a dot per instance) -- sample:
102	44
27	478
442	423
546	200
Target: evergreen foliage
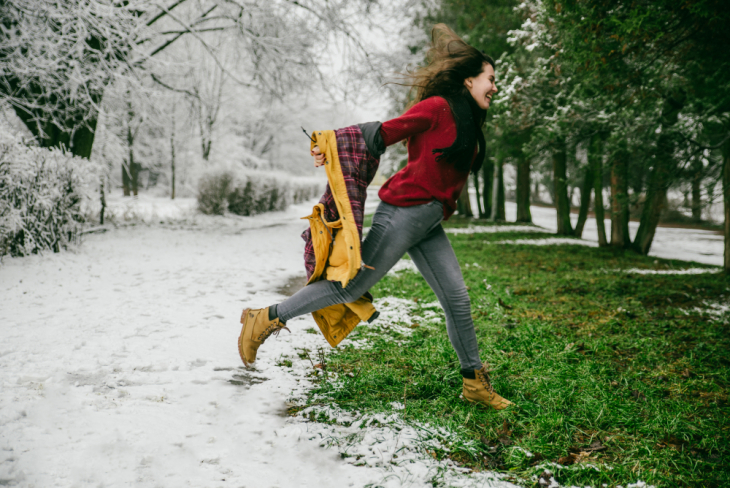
635	94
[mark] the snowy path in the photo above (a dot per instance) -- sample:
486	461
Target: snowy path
119	365
701	246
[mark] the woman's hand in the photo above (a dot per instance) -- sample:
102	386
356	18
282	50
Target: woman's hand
318	157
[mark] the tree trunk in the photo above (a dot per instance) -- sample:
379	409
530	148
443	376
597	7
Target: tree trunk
77	137
132	170
126	179
661	176
562	204
585	201
479	196
620	236
463	204
498	211
696	191
726	198
172	156
206	143
103	201
487	177
523	190
595	159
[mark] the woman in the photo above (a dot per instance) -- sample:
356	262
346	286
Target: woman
445	142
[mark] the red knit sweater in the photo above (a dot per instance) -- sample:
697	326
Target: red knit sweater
428	125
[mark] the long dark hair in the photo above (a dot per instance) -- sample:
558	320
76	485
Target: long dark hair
449	61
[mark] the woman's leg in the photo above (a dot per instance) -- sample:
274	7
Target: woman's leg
393	232
437	262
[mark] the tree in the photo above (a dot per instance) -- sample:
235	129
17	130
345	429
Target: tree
58	58
663	53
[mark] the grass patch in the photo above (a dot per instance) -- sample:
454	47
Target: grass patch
624	372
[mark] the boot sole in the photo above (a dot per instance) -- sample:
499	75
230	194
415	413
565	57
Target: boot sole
240	338
485	404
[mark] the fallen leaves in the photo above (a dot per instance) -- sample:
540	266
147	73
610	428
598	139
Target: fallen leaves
595	446
505	434
504	438
671	442
545	478
503	305
577	454
638	395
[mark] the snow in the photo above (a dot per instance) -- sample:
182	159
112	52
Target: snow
549	241
395	448
120	364
145	208
491	229
701	246
692	271
403	265
120	367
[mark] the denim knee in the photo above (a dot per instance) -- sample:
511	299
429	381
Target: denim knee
352	291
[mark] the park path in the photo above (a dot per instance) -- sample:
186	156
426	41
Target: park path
119	366
701	246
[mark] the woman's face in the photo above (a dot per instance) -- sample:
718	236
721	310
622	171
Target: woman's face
482	87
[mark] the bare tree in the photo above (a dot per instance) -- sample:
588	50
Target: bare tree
55	78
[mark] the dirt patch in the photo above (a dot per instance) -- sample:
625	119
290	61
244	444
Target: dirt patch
246	378
293	285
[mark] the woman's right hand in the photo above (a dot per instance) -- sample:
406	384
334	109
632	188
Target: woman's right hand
318	157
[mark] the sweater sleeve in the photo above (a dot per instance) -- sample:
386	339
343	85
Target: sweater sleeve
419	118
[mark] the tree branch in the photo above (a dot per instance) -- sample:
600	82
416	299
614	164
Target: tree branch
164	12
188	29
182	33
210	29
172	88
701	146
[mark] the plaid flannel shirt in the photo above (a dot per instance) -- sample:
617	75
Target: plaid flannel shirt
358	168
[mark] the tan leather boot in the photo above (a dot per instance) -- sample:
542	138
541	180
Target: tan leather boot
480	390
256	329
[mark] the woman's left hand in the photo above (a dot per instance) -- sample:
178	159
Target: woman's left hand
319	159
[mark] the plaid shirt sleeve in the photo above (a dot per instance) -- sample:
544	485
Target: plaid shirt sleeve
358	168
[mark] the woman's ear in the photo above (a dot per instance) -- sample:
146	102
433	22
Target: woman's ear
469	82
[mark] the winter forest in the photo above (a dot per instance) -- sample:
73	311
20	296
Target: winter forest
600	110
155	168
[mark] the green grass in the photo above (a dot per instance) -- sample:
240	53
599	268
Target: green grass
586	352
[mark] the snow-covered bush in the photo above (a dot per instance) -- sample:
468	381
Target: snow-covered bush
250	193
40	196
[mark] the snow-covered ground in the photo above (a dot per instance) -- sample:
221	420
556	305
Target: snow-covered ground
701	246
119	366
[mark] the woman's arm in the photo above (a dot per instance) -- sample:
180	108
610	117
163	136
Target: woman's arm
419	118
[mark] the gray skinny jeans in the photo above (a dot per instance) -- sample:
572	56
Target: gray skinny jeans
396	230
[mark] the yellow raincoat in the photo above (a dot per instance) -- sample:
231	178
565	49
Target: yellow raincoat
341	260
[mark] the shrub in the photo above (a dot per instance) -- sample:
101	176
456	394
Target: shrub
41	191
213	192
251	193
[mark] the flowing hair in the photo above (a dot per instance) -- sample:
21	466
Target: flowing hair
449	61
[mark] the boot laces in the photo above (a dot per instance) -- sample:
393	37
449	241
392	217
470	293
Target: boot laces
273	328
483	375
